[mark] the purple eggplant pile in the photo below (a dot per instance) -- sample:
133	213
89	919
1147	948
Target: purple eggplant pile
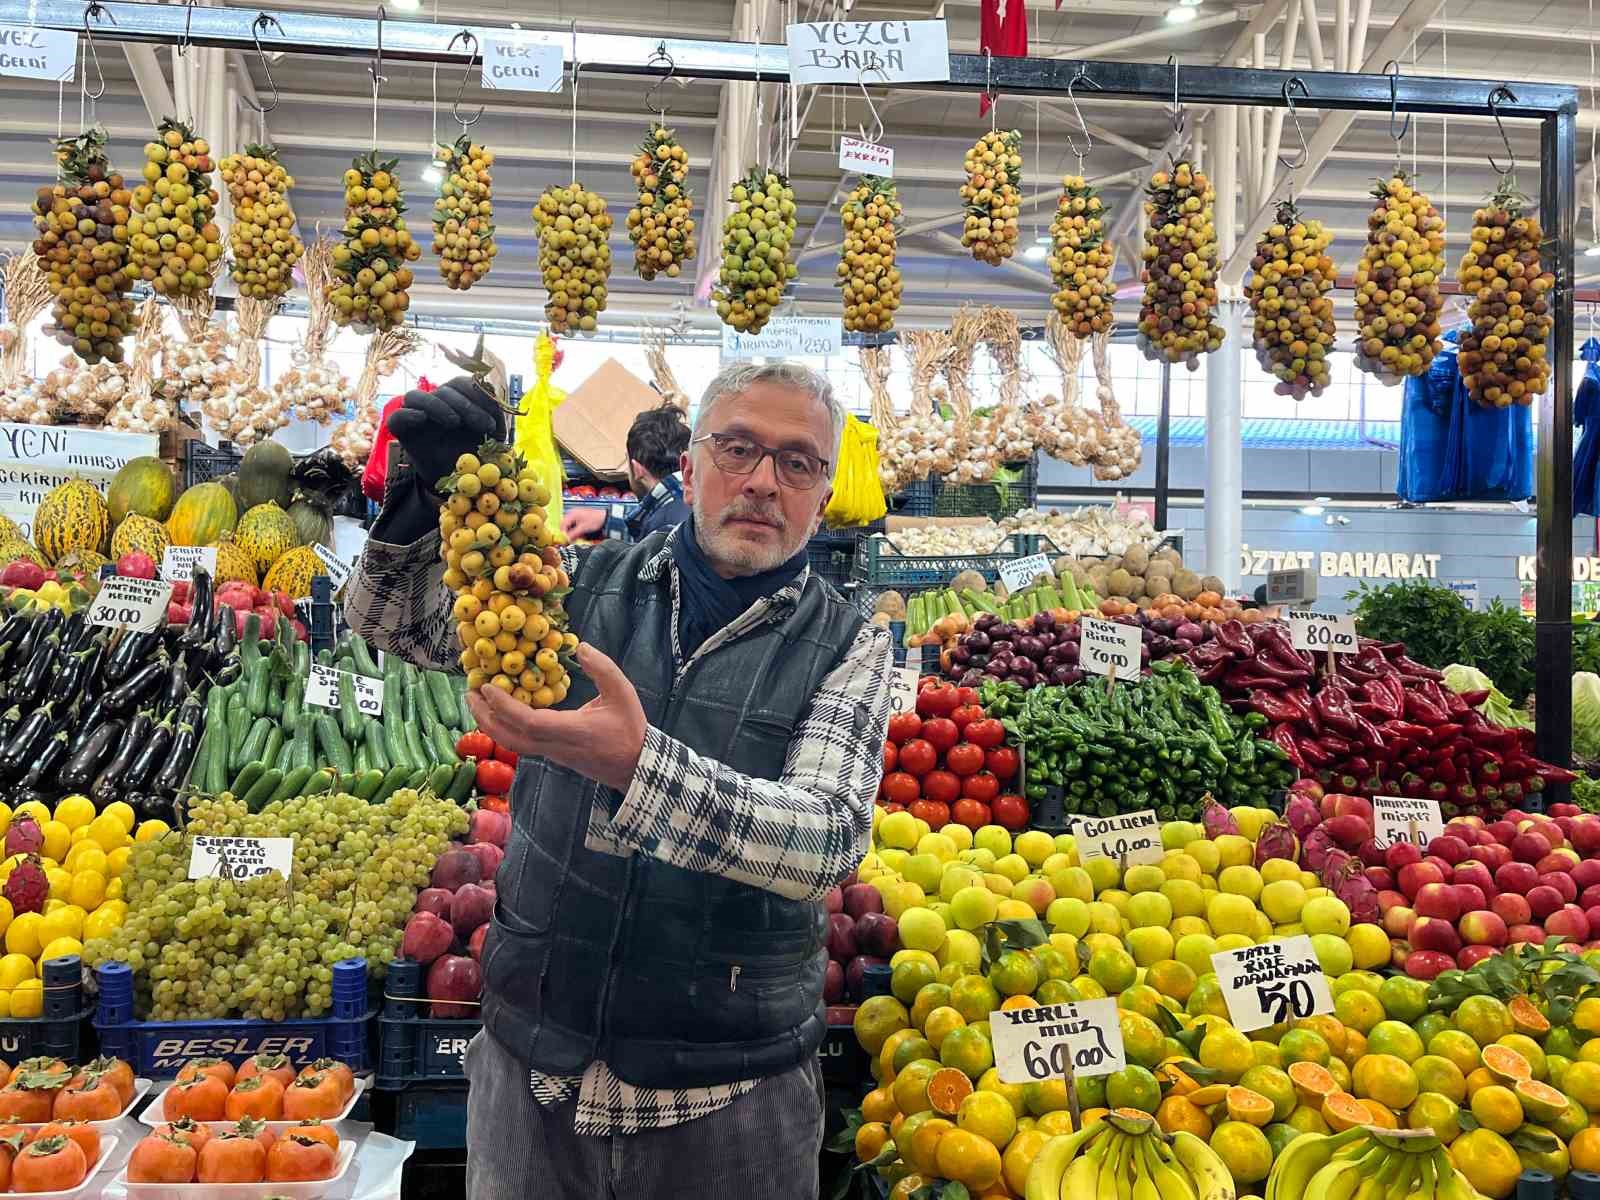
1044	650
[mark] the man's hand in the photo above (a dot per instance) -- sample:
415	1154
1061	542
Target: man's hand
584	522
600	741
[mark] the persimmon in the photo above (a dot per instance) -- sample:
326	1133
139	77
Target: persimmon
232	1157
259	1096
276	1065
162	1158
341	1073
187	1130
10	1147
205	1098
296	1157
96	1099
5	1072
53	1164
25	1103
316	1129
313	1096
114	1069
208	1066
86	1135
46	1063
257	1128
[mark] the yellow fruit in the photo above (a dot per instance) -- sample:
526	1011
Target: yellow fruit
64	922
102	921
1180	254
992	196
108	832
87	889
27	999
57	840
22	935
1488	1162
1287	290
60	883
74	811
1397	300
661	225
64	947
14	968
969	1159
1503	352
869	281
757	237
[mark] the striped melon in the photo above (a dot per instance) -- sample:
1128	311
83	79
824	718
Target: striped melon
235	562
82	562
12	549
144	486
202	515
293	572
10	530
72	516
141	533
266	534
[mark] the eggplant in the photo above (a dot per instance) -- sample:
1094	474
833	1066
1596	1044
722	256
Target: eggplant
14	627
197	631
43	771
960	655
151	756
227	630
86	754
66	683
108	784
76	628
90	719
130	655
25	741
174	773
178	683
142	683
29	683
9	719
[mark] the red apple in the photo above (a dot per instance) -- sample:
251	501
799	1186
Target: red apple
1493	855
1587	871
1567	922
1512	908
1434	933
1448	847
1388	899
1562	882
1414	878
1428	964
1476	874
1309	786
1502	831
1543	900
1381	878
1437	900
1469	896
1589	897
1550	831
1585	836
834	900
1444	867
1401	854
1482	837
1529	847
1370	852
1516	877
1397	921
1483	928
1565	810
480	935
1561	860
1593	913
1525	933
1469	956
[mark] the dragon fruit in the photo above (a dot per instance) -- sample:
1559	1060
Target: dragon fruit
1318	846
1302	813
24	836
26	887
1217	819
1350	883
1277	840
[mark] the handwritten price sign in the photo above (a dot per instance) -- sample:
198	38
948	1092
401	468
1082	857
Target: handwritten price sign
322	689
179	562
866	158
903	689
1323	631
785	337
137	605
240	857
1271	983
1053	1041
1136	836
1106	648
1403	819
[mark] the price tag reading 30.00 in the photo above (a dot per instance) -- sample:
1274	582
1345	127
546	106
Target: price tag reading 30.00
1106	648
1035	1044
1323	631
322	689
1134	835
137	605
1273	982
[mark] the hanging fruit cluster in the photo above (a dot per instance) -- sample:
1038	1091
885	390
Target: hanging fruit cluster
506	576
174	243
1397	299
1502	356
82	223
265	249
755	251
1180	268
369	266
659	225
463	215
868	277
992	196
1081	259
574	255
1290	277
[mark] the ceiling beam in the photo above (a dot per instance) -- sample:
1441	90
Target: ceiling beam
145	63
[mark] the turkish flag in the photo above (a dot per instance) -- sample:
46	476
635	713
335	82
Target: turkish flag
1003	32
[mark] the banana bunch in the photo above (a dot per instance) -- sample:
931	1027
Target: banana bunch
1397	282
1290	276
1366	1162
1503	354
1126	1156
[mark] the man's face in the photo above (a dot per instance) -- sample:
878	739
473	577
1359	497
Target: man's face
747	524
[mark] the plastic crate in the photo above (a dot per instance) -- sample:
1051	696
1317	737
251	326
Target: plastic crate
830	560
916	500
413	1046
203	463
844	1063
55	1033
876	563
434	1116
157	1049
995	500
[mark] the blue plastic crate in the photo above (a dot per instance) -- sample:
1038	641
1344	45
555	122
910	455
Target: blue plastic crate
434	1116
844	1063
414	1046
830	561
916	500
157	1049
57	1031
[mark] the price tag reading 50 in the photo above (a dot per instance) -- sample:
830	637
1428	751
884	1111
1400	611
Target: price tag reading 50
1271	983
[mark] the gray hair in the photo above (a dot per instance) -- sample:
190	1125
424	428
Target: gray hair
741	376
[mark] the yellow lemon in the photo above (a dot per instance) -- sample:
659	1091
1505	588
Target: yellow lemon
122	811
27	999
75	811
108	832
57	839
34	809
62	947
5	914
22	935
114	889
87	890
150	830
64	922
80	834
14	968
60	882
50	906
86	856
102	921
117	861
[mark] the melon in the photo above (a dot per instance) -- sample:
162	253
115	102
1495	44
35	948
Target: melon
10	530
313	518
86	563
266	534
12	549
144	486
202	515
144	534
234	562
264	476
293	572
72	516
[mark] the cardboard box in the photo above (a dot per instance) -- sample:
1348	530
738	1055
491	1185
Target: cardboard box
591	425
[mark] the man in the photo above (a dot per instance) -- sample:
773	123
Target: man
656	444
653	977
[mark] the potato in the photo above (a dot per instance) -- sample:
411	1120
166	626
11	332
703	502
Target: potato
892	604
1121	583
1136	559
969	579
1211	583
1168	555
1064	564
1186	583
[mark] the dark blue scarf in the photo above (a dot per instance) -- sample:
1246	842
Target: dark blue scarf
707	601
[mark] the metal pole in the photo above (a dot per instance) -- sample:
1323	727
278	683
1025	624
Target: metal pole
1224	452
1553	470
1163	445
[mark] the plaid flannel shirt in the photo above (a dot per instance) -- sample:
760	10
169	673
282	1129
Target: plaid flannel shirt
796	835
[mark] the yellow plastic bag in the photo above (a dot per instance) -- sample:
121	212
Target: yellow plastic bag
857	494
536	441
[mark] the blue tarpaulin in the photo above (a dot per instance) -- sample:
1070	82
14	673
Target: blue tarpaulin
1586	416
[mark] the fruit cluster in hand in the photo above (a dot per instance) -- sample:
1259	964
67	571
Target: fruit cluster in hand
174	243
265	248
574	256
755	251
1397	298
1081	259
660	225
82	223
1180	268
369	266
1291	275
992	197
1503	355
463	215
868	277
46	1089
501	563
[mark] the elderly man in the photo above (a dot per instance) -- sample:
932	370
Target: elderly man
653	978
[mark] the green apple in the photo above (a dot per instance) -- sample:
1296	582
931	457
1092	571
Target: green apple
960	836
1234	941
901	897
1205	853
1117	898
1234	850
983	860
1072	881
921	929
924	871
996	839
1010	909
1149	909
1175	835
999	884
1036	893
1013	866
961	948
1104	918
1275	869
1055	861
1103	873
954	878
973	907
1068	914
1334	953
898	830
938	845
1240	881
894	859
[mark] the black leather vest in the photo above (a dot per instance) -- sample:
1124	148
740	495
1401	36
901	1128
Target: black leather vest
672	978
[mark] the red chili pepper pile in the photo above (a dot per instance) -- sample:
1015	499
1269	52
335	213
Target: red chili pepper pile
948	761
1380	724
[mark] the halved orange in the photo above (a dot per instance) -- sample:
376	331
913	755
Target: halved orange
1313	1082
1343	1111
1539	1100
1507	1064
947	1088
1249	1106
1526	1017
1381	1115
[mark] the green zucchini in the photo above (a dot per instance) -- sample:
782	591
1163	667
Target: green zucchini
461	782
262	790
246	778
333	745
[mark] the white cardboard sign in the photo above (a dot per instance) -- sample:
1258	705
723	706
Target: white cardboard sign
35	458
1136	835
516	61
1318	632
1047	1042
30	53
1107	648
338	569
240	857
866	158
1018	573
786	337
1395	817
903	689
178	563
138	605
322	689
868	51
1273	982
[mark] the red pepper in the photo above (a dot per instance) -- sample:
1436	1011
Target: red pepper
1234	636
1276	707
1333	705
1414	670
1266	663
1368	733
1444	769
1423	711
1511	791
1548	773
1273	642
1448	732
1244	676
1336	745
1311	750
1284	736
1376	691
1404	731
1358	765
1412	784
1372	712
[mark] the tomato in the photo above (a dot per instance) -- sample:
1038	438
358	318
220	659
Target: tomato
494	803
966	715
937	699
987	733
918	757
941	786
891	757
942	732
475	744
893	808
964	759
974	814
937	815
1003	761
501	754
494	777
903	727
1010	811
900	788
966	695
982	786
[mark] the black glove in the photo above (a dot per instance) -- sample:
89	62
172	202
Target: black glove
436	428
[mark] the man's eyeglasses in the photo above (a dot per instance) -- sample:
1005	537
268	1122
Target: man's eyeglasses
741	456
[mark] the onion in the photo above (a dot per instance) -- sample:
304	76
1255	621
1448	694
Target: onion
1065	676
1068	652
1049	661
960	655
1024	668
978	641
1067	635
1192	632
1032	647
983	622
972	679
1002	646
1184	645
1043	622
997	668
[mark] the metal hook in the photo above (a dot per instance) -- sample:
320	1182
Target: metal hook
261	22
988	83
1394	101
375	67
1496	97
877	120
188	20
1300	160
1179	116
1082	76
657	57
455	105
94	10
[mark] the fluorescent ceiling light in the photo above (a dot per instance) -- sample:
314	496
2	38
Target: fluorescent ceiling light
1035	252
1180	16
407	5
1321	499
432	174
1311	510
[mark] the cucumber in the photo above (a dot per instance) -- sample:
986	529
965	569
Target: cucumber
377	751
362	657
417	778
324	658
333	745
461	782
275	689
274	746
293	781
425	709
258	680
442	744
418	751
394	741
246	778
250	641
444	698
439	779
409	709
302	659
305	751
362	762
294	691
255	741
316	783
393	780
367	786
238	730
202	756
263	789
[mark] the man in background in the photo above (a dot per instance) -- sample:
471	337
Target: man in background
657	442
